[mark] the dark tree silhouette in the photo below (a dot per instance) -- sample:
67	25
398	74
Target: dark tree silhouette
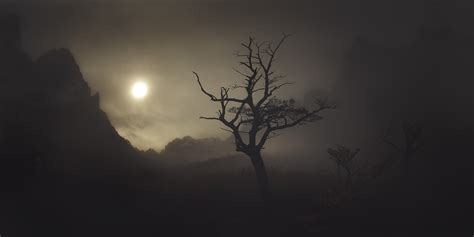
412	134
259	114
343	157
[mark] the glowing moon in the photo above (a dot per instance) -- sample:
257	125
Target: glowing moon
139	90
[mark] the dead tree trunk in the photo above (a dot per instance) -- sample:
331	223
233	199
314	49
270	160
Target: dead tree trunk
412	135
348	177
339	174
259	113
261	174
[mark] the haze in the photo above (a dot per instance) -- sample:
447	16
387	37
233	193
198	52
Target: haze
115	43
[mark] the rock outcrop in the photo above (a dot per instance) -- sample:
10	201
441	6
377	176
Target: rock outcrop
49	118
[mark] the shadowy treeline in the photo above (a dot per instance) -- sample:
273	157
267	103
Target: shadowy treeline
420	97
64	170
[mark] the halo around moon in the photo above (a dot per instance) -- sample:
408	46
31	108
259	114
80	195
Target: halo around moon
139	90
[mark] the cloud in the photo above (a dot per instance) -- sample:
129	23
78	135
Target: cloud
189	150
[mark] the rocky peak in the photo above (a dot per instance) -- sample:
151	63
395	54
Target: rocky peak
60	77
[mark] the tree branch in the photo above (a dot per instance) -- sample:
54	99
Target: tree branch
213	97
263	115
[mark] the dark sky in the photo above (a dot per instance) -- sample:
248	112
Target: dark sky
116	42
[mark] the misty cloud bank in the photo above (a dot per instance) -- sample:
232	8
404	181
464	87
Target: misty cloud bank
369	68
116	43
188	150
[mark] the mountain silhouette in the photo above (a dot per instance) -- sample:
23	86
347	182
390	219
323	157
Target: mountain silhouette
74	123
49	107
59	153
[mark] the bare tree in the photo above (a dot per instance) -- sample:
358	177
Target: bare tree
412	137
258	115
343	157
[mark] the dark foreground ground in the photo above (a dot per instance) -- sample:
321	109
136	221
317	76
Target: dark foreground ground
183	203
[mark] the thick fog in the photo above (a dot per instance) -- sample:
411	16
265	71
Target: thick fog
163	42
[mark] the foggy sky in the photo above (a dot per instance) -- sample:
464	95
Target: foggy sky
163	41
